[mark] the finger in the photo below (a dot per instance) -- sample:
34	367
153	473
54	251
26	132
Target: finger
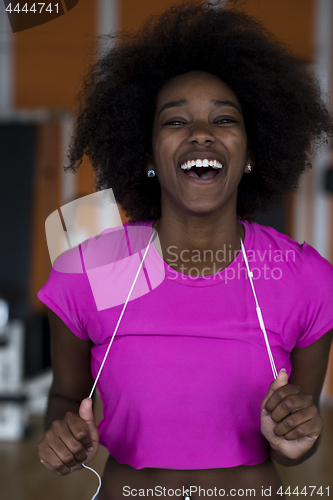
66	440
52	461
79	430
311	429
297	419
87	414
289	404
63	444
68	450
280	394
280	381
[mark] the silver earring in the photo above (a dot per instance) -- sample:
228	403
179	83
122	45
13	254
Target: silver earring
187	495
151	173
248	168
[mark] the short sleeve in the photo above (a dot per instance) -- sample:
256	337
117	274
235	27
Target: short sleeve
67	292
316	296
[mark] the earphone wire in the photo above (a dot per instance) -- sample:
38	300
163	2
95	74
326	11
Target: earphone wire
121	315
99	480
107	352
260	318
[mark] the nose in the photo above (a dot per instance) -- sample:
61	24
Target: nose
201	134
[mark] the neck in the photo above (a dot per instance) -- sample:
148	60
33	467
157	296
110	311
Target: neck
199	241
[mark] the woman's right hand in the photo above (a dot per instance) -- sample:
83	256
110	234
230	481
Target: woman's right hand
70	441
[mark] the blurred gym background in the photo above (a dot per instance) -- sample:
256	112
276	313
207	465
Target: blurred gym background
40	73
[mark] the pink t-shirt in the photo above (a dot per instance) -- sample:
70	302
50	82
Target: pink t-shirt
188	368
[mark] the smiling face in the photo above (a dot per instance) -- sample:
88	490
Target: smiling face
199	145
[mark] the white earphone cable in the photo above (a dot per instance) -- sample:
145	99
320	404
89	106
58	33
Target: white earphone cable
121	315
260	318
99	480
108	349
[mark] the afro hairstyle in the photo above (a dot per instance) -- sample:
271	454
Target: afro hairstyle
284	110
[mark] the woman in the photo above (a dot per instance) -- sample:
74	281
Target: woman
197	119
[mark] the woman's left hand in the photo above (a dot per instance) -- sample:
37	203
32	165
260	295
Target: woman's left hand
289	420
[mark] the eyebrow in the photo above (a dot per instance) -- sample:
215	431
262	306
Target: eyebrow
173	104
183	102
227	103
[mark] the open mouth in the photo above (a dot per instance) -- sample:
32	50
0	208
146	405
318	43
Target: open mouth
203	169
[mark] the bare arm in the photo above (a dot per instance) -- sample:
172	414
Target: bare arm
309	366
71	435
72	378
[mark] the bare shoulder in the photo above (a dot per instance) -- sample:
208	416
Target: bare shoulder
309	365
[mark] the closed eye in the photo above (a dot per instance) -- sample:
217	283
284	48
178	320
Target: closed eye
225	120
174	122
221	121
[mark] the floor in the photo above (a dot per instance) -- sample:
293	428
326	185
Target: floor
22	477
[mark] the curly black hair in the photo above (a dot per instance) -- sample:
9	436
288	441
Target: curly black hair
284	111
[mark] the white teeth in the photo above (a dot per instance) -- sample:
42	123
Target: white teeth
201	163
